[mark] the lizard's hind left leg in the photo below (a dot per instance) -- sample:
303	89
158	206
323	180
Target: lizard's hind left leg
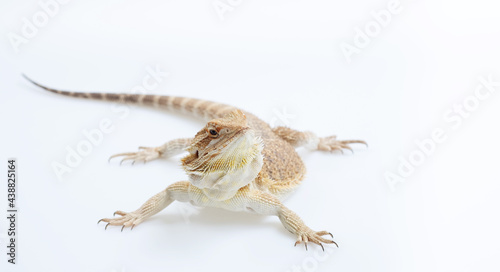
310	140
146	154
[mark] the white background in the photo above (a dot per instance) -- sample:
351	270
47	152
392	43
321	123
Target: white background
267	57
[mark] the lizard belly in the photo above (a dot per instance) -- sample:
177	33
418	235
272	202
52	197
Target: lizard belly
236	203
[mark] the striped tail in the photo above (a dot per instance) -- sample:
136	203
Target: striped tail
198	107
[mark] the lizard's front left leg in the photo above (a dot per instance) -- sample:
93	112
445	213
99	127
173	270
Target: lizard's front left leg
306	138
177	191
146	154
267	204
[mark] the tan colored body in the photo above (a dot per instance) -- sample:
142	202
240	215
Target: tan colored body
283	169
236	162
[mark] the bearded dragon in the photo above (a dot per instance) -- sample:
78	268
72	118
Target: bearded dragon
235	162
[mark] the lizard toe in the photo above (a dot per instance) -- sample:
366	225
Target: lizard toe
130	219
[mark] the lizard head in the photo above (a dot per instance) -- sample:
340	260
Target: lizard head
224	156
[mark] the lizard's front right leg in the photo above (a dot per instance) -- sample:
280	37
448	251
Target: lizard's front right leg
177	191
267	204
146	154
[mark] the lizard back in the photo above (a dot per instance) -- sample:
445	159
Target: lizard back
283	169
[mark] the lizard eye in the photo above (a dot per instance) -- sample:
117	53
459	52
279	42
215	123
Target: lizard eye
213	132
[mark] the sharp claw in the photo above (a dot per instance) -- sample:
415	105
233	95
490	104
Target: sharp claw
114	213
133	225
331	234
296	243
105	228
112	157
124	227
306	246
99	221
121	154
322	247
335	244
346	147
121	161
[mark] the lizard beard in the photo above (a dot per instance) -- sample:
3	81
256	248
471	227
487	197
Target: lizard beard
220	173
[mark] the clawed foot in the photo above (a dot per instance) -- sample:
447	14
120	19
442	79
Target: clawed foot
331	144
314	237
145	154
130	219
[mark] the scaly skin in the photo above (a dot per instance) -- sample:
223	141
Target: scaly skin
236	162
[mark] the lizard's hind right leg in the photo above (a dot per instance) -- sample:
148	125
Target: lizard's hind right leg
146	154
